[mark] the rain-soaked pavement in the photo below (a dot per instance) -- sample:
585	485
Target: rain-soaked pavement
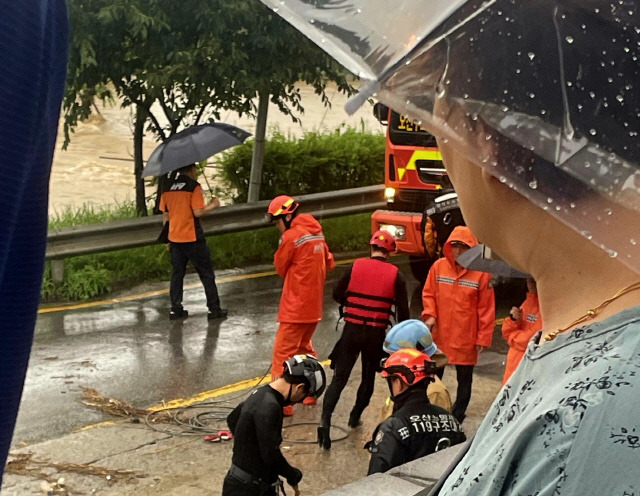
131	351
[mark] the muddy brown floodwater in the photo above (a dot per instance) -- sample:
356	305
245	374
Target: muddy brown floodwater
97	168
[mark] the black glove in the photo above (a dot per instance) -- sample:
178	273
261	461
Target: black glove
294	481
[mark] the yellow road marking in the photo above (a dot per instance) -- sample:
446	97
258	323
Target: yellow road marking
200	397
148	294
100	424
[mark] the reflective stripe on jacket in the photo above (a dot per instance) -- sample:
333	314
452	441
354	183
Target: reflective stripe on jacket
371	292
462	302
302	260
519	333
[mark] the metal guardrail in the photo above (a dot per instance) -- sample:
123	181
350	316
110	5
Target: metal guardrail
130	233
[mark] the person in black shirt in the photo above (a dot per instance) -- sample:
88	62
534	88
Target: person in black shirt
416	428
256	424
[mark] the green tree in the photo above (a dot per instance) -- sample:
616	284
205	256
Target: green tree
182	63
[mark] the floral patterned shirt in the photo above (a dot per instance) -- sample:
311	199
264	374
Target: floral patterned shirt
566	423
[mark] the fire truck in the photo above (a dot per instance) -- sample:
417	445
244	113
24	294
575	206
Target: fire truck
414	177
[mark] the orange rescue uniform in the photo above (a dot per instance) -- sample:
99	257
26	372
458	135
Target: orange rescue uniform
519	333
302	260
184	196
462	302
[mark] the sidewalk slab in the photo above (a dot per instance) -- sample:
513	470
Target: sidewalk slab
93	445
377	485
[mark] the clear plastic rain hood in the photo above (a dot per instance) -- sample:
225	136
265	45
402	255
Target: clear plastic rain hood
542	94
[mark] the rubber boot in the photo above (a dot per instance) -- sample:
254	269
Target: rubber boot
354	419
324	433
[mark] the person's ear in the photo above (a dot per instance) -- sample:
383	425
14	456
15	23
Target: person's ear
288	217
302	390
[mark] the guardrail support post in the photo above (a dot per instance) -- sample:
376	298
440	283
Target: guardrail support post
57	270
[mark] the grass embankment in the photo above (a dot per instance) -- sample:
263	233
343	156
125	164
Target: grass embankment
90	276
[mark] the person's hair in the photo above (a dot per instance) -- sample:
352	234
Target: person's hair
420	385
296	379
185	169
380	249
423	384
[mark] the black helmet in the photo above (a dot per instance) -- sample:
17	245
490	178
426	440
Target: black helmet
308	368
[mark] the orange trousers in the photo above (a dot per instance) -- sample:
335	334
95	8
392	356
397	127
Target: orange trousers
291	339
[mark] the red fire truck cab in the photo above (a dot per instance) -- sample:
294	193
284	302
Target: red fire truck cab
414	176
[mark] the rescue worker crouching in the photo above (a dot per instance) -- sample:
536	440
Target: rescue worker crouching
416	428
368	291
302	260
414	333
256	424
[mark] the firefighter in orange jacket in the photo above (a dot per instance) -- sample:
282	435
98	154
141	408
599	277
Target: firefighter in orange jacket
367	292
459	308
520	326
302	260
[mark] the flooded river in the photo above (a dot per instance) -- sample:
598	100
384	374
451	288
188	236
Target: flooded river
97	168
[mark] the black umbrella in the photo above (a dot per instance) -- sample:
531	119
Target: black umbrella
474	259
192	145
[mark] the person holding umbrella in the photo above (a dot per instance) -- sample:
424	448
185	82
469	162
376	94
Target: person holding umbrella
459	308
182	206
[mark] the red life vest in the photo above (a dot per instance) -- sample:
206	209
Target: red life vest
371	292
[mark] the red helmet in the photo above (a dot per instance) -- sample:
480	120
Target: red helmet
409	365
282	205
384	240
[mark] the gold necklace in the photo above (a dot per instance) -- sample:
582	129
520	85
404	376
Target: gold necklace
593	312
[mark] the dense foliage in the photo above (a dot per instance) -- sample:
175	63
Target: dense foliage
317	162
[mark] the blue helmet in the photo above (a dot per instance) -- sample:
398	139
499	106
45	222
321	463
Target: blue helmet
410	333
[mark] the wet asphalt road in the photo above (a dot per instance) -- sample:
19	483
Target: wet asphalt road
130	351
